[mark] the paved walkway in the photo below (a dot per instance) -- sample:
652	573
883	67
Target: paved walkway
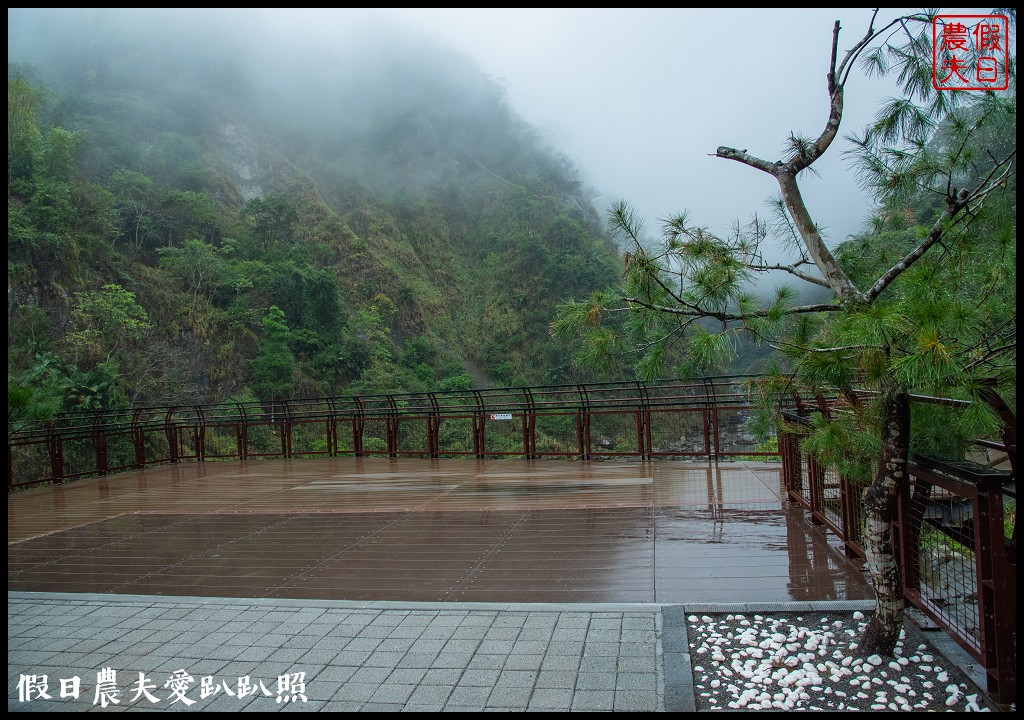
205	654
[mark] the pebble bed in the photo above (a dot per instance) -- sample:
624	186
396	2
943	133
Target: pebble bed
810	662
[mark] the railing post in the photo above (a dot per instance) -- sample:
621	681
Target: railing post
648	422
286	429
358	426
815	477
243	432
138	441
172	436
332	428
55	447
434	428
239	431
100	444
790	463
851	517
529	426
997	592
479	446
707	419
199	434
583	423
391	427
643	420
478	435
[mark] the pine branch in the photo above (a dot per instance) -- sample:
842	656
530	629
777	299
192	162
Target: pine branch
725	316
954	207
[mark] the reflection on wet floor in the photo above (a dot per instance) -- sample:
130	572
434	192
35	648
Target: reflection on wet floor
437	530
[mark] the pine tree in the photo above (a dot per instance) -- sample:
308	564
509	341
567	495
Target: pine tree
925	301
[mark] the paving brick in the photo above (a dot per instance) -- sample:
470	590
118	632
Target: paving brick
360	658
504	696
551	699
593	700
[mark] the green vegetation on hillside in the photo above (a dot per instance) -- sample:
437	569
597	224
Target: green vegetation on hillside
175	239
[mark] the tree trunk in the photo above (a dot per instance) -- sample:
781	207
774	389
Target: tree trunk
883	630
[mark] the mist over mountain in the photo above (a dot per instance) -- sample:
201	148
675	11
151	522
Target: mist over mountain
179	175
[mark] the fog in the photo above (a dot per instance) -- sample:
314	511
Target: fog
638	99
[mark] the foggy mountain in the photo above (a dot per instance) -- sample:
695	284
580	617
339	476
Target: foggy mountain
176	175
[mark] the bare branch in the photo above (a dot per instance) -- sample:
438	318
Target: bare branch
987	357
838	349
802	161
835	52
993	184
846	66
743	157
677	330
851	55
835	116
791	269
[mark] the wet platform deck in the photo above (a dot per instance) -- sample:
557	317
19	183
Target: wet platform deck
430	530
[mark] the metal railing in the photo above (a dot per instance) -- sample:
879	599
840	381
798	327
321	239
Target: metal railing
703	418
961	574
955	539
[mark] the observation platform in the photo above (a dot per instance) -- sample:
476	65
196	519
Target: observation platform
381	529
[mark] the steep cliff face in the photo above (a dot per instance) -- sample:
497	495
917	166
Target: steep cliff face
252	171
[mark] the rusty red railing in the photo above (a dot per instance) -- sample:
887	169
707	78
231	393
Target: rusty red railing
955	537
705	418
957	556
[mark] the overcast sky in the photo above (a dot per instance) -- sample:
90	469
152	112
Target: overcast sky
638	98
